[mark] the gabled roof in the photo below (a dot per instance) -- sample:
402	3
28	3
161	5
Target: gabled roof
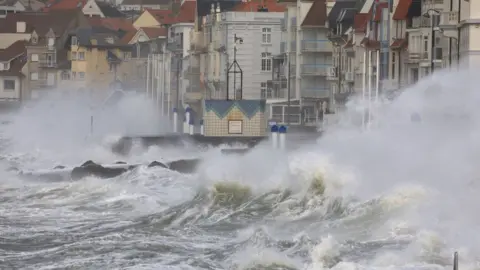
14	50
254	6
97	36
186	14
361	21
317	15
41	22
154	32
30	5
108	10
159	14
401	11
116	24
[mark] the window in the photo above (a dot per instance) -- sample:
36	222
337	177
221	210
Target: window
74	55
266	61
8	85
425	47
126	55
34	76
34	57
393	65
4	66
51	42
263	90
266	35
65	76
81	56
74	41
81	75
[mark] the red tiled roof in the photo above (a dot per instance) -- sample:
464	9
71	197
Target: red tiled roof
64	4
128	37
112	23
253	6
160	14
361	21
185	15
317	15
154	32
370	44
401	10
379	9
399	43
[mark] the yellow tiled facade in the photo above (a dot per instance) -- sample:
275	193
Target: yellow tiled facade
219	127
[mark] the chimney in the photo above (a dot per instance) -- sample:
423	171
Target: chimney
21	27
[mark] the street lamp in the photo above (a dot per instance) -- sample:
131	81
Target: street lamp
235	65
432	30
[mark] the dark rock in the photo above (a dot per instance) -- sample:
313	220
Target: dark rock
59	167
184	165
88	162
235	151
96	170
157	164
120	162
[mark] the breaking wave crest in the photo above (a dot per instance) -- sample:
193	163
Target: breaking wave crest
402	195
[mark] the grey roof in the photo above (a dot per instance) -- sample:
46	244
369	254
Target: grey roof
342	12
108	10
99	37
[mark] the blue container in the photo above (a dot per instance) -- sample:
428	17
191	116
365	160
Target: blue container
274	129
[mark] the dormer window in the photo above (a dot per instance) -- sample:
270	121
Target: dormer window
109	40
34	40
51	42
74	41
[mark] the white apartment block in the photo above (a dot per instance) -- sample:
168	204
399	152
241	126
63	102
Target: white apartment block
308	53
258	37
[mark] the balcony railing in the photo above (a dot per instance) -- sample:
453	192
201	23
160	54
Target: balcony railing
449	18
315	69
316	92
283	25
293	22
47	64
293	46
317	46
414	56
272	93
419	22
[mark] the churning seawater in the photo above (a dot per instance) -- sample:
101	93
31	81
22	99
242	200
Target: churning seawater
403	195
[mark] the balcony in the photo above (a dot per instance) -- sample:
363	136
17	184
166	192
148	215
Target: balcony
47	64
283	25
348	76
293	46
315	69
293	22
414	57
317	46
419	22
316	93
272	93
197	41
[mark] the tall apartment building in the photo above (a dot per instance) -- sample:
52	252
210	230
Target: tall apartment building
306	59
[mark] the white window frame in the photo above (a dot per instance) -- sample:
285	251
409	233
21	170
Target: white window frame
266	35
74	56
81	56
51	42
266	61
34	76
34	57
263	90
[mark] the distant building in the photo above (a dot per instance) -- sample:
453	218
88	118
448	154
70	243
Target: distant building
142	5
100	60
12	72
101	9
14	6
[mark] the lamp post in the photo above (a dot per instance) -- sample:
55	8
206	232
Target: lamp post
432	34
235	65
